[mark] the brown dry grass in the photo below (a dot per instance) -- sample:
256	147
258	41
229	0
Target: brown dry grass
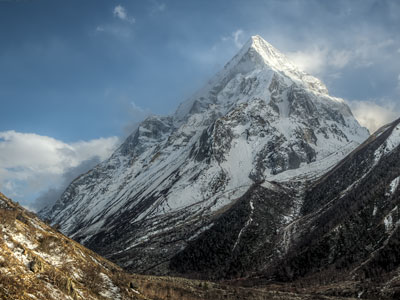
48	265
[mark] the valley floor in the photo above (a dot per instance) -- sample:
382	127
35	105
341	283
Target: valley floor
172	288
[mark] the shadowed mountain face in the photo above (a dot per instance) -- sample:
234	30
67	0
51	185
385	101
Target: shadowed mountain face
346	234
260	119
347	228
350	217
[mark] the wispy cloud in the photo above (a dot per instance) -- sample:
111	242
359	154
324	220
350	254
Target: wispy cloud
115	30
373	115
157	7
121	13
54	192
318	60
136	115
312	61
323	57
236	37
30	162
123	29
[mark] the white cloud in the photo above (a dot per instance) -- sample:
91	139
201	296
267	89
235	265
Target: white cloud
137	109
235	37
372	115
53	193
118	29
312	61
30	163
323	57
121	13
136	115
318	60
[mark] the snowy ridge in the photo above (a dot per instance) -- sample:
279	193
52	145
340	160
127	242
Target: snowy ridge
391	143
257	58
259	119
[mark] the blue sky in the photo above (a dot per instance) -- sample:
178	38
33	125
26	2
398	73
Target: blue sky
77	74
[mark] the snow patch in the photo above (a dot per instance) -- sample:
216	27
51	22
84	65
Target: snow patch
393	186
388	220
20	238
111	291
203	229
248	222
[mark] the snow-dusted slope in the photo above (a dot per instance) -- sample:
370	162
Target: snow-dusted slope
259	119
350	218
37	262
342	227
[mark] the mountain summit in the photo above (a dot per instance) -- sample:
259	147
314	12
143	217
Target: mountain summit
256	56
260	126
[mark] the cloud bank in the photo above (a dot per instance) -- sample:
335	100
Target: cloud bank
51	195
30	162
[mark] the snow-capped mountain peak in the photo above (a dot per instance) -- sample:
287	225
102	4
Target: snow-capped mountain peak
245	76
276	60
259	119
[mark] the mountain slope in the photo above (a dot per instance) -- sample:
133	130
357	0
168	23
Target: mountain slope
260	119
350	216
346	230
37	262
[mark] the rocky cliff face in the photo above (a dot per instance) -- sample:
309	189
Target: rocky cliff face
241	149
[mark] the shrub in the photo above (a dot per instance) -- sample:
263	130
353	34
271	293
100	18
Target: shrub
92	279
7	216
47	243
63	282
